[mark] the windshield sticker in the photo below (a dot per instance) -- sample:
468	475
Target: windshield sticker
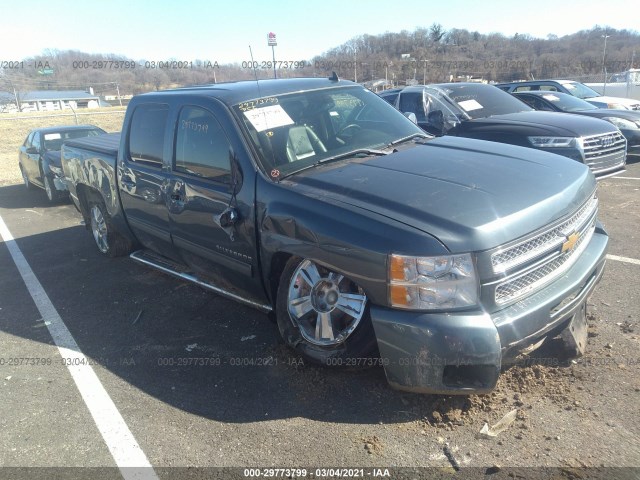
470	105
553	98
269	117
261	102
52	136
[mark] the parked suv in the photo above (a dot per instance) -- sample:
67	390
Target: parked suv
576	89
481	111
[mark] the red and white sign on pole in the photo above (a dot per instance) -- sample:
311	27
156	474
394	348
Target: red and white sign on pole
272	39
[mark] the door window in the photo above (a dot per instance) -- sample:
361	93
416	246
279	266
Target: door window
146	138
201	148
35	143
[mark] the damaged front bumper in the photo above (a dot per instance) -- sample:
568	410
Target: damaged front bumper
463	352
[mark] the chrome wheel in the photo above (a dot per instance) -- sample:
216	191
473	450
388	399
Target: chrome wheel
99	229
324	305
48	189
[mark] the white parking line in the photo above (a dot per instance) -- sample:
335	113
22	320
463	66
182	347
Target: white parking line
626	178
623	259
126	452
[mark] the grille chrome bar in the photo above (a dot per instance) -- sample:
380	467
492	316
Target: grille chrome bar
604	152
505	260
542	275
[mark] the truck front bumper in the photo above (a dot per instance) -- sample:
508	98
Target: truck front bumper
463	352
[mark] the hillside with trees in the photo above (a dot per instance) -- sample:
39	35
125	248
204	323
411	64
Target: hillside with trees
430	54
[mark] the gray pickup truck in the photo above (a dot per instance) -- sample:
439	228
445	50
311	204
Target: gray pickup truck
369	241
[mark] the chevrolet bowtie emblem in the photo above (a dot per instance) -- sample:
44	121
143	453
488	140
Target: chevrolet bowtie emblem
571	242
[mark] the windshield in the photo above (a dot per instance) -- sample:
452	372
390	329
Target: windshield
294	131
568	103
480	101
53	140
579	90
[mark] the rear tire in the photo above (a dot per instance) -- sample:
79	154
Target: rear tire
324	316
108	240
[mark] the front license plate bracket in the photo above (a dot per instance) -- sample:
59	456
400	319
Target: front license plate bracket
575	335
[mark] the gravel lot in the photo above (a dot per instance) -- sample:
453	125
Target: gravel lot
581	417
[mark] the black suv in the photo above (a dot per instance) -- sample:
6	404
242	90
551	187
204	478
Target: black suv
481	111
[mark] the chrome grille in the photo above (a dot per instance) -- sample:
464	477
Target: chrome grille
543	274
523	252
604	152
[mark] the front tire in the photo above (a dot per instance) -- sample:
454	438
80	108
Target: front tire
105	236
52	194
323	315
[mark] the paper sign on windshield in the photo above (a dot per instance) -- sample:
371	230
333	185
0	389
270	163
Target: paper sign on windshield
469	105
550	97
269	117
52	136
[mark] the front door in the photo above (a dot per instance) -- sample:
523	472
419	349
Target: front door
212	221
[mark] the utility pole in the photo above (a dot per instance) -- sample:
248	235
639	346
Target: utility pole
15	95
118	90
604	65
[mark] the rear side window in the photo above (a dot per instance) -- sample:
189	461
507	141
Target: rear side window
202	148
146	137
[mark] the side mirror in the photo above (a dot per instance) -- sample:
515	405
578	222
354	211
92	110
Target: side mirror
435	118
411	116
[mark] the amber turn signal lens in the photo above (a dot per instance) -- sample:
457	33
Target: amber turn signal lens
396	268
398	295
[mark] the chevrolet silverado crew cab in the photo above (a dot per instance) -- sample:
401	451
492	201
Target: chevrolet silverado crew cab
367	238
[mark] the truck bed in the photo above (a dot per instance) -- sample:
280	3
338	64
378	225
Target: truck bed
106	144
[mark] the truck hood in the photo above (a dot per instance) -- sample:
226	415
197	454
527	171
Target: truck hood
565	124
471	195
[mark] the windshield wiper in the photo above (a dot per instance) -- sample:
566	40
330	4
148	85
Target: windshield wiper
352	153
407	138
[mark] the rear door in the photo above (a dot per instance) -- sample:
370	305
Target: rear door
143	178
201	194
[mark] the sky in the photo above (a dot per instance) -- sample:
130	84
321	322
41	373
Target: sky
223	31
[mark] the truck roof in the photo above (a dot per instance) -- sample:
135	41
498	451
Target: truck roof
233	93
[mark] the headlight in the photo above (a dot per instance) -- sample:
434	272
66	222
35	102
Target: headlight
432	283
56	170
623	123
552	142
617	106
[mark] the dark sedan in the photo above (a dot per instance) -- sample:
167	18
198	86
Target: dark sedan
628	121
39	157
